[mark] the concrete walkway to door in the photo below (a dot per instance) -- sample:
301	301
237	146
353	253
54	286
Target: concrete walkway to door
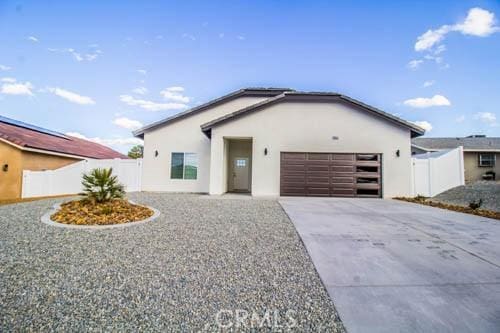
393	266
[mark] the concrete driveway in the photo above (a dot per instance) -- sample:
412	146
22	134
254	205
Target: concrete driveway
393	266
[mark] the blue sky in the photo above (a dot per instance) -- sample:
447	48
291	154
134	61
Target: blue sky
100	69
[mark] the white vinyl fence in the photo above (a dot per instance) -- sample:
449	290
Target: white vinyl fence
68	179
437	172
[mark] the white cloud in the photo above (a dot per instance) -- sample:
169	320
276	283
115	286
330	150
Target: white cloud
8	79
241	37
71	96
92	55
108	142
174	94
140	90
127	123
431	38
221	35
415	64
479	22
487	118
5	68
149	105
460	119
17	88
428	83
142	71
424	124
33	39
423	102
188	36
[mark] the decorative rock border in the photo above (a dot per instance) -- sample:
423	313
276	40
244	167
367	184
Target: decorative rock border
47	220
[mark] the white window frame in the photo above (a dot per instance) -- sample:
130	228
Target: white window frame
489	165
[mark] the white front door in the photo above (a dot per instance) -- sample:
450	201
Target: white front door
240	173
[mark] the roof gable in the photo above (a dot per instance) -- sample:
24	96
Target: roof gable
257	92
313	97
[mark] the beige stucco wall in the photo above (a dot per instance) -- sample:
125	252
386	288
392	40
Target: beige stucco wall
18	160
309	127
183	135
473	171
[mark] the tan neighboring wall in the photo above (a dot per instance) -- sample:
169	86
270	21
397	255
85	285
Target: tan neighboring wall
39	162
18	160
473	172
10	180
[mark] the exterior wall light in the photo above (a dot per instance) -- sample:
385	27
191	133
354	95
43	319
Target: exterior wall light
156	153
335	137
5	167
265	151
398	153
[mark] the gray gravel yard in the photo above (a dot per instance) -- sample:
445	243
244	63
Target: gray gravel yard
176	273
489	191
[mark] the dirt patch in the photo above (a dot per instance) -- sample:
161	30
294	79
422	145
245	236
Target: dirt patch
19	200
480	212
81	212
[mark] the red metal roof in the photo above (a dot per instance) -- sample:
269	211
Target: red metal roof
23	136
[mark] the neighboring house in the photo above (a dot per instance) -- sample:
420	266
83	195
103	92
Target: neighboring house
27	147
481	153
271	142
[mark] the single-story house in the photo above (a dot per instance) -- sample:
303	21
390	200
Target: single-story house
480	153
28	147
272	141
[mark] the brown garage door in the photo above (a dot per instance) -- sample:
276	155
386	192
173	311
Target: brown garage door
330	175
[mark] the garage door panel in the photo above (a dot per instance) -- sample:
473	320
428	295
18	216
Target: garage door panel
319	168
318	157
318	180
291	179
339	168
331	174
342	192
293	156
318	191
344	157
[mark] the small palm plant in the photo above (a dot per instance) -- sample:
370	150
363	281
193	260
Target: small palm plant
100	186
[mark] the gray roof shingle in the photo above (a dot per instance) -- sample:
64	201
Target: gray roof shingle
469	143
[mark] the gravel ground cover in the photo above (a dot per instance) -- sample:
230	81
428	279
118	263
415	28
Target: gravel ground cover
488	191
201	266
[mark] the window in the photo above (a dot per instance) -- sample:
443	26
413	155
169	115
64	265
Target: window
486	160
241	162
184	166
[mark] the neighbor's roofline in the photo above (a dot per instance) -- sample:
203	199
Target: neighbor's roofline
254	91
315	96
43	151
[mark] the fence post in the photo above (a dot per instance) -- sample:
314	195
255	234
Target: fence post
430	175
461	166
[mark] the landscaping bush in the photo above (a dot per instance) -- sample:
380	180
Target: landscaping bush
475	204
101	186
